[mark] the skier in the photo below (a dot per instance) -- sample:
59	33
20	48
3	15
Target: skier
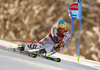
52	42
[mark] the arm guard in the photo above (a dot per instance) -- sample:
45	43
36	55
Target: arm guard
55	39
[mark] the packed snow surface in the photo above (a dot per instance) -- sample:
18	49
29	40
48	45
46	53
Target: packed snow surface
14	61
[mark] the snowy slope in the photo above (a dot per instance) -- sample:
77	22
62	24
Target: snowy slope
13	61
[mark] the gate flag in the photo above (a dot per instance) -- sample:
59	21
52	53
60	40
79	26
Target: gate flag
75	13
75	9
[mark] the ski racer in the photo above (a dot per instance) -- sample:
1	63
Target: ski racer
52	42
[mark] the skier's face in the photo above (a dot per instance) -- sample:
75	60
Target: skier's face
61	30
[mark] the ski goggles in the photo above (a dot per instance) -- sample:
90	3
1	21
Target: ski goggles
61	26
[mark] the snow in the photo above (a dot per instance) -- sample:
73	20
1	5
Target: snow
14	61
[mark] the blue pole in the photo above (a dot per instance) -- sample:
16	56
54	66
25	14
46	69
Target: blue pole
80	10
79	39
71	27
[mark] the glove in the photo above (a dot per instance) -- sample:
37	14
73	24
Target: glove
61	44
57	48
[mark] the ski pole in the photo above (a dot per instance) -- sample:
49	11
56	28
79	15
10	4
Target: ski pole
25	41
29	40
32	42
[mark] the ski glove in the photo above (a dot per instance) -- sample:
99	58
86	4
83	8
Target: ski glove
57	48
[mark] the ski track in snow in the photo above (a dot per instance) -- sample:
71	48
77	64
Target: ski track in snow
14	61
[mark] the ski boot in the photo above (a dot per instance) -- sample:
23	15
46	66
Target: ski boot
21	47
42	51
37	53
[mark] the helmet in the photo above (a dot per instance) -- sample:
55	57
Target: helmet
61	24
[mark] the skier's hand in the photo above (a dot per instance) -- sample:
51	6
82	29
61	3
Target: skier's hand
61	44
57	48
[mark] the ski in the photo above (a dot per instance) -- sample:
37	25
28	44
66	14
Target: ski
34	55
52	59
